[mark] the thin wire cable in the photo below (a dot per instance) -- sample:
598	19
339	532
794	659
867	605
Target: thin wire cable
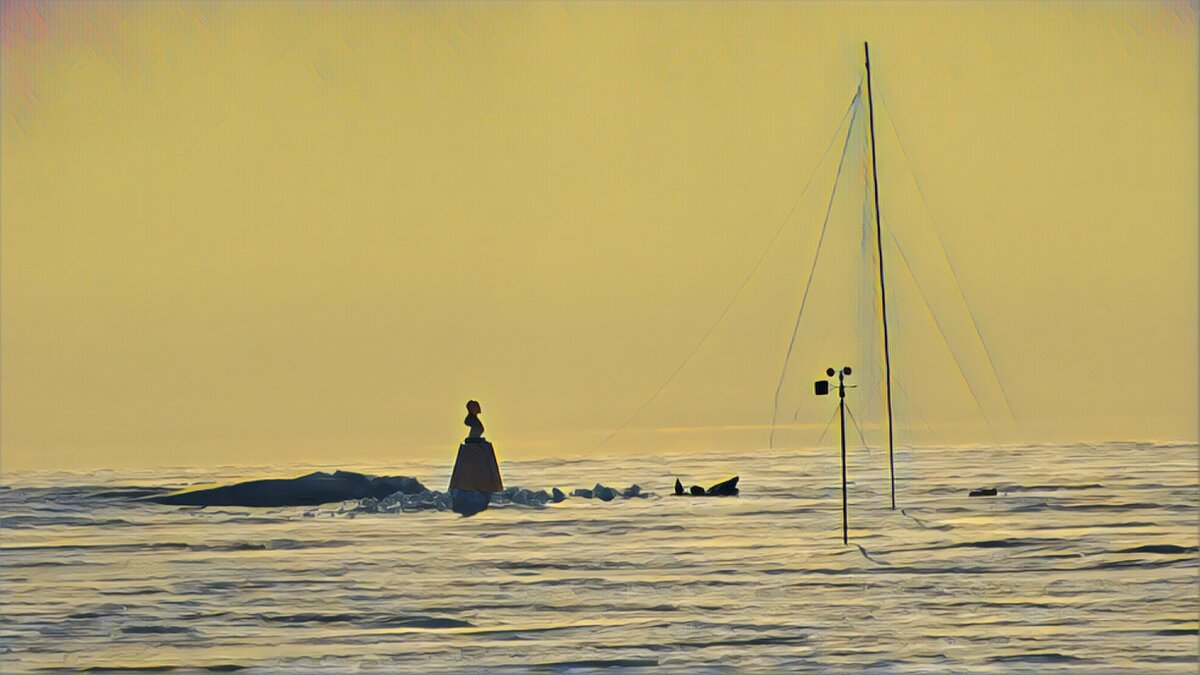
741	288
827	425
942	333
850	272
813	270
942	246
861	437
911	403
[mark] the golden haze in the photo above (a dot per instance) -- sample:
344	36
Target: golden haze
267	232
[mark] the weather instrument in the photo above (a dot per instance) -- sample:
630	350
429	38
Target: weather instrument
821	388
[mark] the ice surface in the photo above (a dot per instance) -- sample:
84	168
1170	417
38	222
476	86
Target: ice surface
1085	562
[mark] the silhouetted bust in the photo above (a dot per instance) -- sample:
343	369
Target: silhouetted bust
472	420
476	472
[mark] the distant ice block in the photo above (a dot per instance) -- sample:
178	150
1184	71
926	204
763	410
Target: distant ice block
607	494
470	502
604	493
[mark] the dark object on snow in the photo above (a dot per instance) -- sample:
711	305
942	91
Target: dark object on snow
983	492
557	495
309	490
582	492
469	502
633	491
724	489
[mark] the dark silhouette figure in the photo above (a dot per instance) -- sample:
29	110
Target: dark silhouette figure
473	422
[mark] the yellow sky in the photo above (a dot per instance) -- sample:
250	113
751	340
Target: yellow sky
267	232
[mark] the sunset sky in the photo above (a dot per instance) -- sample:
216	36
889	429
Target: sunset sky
274	232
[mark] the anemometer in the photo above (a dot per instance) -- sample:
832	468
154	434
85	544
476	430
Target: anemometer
821	387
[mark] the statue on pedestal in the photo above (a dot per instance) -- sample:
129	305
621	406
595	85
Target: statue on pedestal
476	472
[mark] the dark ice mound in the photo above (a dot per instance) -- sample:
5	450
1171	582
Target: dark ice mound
315	488
469	502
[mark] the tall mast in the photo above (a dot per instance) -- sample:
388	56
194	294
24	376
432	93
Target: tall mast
887	357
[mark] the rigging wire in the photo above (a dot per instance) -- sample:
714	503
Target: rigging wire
812	271
850	273
827	425
941	332
942	247
745	281
909	402
860	431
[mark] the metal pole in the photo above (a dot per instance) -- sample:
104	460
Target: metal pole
842	418
887	358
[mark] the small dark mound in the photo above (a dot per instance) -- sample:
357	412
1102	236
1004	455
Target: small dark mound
1165	549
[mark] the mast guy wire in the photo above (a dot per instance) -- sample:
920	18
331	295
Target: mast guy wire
745	282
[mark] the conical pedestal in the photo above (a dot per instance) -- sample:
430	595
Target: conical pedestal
476	468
